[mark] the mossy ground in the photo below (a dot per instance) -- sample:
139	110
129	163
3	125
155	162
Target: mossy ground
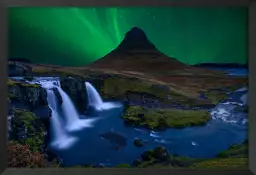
215	96
35	132
234	157
11	83
162	118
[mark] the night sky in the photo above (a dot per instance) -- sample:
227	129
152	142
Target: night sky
78	36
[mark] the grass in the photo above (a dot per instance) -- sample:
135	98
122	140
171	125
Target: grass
118	87
35	134
11	83
162	118
216	96
235	156
229	163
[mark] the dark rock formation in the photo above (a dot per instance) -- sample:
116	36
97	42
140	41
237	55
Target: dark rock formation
138	143
161	154
18	69
27	95
135	39
76	90
57	93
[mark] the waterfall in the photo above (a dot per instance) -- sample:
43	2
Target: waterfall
73	122
59	139
94	98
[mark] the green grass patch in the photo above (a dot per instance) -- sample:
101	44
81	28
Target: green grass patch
215	96
35	132
228	163
11	83
118	87
123	166
162	118
238	150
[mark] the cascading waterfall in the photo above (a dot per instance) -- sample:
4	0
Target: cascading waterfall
59	139
94	98
73	122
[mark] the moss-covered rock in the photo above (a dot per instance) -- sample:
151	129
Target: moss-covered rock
26	128
237	150
18	69
76	90
30	95
162	118
138	143
234	157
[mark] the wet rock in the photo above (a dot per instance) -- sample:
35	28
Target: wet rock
91	110
57	93
147	155
18	69
30	96
137	162
43	112
161	153
76	90
138	143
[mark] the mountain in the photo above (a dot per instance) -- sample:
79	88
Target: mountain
136	53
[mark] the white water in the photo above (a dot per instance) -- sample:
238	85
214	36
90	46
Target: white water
95	100
67	112
73	122
60	139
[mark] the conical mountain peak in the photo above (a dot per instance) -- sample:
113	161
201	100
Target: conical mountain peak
135	39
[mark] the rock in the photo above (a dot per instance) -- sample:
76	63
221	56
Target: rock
26	128
161	154
137	162
18	69
26	95
91	110
76	90
138	143
57	93
43	112
147	155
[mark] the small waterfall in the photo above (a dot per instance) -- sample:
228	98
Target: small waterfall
94	98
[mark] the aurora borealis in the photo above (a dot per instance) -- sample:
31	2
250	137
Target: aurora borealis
78	36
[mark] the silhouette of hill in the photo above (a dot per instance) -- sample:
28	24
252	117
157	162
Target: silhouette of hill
137	53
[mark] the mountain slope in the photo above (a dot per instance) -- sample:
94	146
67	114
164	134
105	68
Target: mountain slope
137	53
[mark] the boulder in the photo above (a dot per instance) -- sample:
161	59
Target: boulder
138	143
161	153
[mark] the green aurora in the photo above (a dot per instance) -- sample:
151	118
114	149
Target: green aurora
78	36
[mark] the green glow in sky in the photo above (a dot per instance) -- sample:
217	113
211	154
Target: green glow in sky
78	36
